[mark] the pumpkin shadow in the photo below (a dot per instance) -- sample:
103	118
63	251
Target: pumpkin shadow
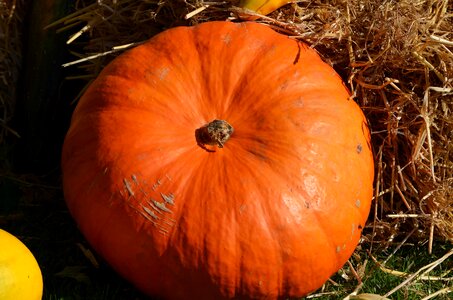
200	138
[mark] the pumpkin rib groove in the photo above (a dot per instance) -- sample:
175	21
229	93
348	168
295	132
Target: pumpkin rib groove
185	205
240	83
202	73
201	47
179	72
332	247
280	277
244	84
269	213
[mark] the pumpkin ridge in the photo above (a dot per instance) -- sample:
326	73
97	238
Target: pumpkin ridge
266	235
242	84
187	79
232	100
332	248
212	83
281	279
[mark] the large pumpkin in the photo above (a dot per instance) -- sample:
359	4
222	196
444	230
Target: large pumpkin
220	161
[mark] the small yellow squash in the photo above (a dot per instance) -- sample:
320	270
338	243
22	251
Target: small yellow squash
20	275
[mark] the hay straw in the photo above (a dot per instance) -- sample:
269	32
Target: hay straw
196	11
88	255
438	293
11	19
92	57
423	270
396	57
319	295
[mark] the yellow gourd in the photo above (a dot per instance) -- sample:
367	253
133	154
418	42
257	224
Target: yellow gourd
262	7
20	275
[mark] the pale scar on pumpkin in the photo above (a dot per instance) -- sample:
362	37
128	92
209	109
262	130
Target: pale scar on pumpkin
359	148
340	248
156	212
226	39
128	187
351	237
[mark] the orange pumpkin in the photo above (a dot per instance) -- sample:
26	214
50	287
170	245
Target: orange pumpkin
220	161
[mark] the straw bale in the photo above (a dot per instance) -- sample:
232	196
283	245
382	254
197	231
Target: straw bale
396	56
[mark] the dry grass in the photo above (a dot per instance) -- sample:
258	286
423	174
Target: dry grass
11	19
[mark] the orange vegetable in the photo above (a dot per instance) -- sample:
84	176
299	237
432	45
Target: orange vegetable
220	161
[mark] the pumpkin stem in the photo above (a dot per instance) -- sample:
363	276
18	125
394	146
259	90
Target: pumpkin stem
216	132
